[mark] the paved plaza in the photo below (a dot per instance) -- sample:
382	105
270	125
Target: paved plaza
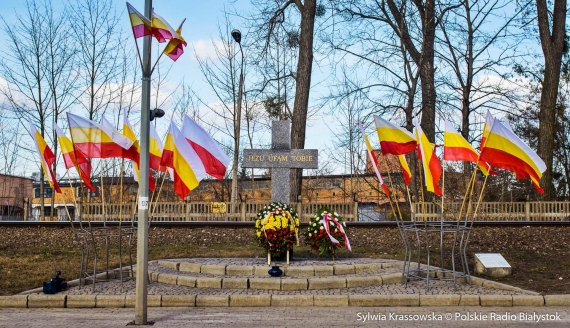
292	317
239	293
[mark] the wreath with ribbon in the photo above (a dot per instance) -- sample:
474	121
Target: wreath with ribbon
327	233
276	228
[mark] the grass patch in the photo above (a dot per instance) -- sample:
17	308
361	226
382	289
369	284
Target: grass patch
28	268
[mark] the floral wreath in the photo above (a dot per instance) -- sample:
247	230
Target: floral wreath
327	232
276	228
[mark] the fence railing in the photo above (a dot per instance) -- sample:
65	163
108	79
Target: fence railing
205	211
227	211
496	211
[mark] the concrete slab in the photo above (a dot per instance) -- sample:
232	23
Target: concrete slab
327	283
208	282
212	300
261	270
218	270
363	281
15	301
46	301
292	300
294	284
300	271
469	300
528	300
392	279
492	265
189	267
235	283
439	300
367	267
81	301
496	300
340	270
240	270
151	301
186	281
178	300
169	264
110	301
167	279
324	270
330	300
557	300
265	283
250	300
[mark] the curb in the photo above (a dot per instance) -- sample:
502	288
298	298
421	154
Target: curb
412	300
288	271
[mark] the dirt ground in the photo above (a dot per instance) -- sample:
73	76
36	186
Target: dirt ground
539	256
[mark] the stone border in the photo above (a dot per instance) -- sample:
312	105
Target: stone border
121	301
309	283
289	271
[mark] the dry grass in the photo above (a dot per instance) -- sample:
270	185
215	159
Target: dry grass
28	268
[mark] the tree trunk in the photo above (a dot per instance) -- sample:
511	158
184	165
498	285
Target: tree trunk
553	49
303	85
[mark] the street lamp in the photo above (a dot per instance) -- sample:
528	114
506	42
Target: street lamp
236	35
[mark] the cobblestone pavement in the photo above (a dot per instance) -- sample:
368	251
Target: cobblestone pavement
414	287
437	287
293	317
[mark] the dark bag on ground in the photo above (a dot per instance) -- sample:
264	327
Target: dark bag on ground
55	285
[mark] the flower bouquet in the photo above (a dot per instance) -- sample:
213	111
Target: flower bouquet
327	232
276	228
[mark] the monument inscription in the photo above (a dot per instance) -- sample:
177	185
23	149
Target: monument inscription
280	159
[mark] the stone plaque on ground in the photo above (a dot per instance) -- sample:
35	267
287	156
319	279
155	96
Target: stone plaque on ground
492	264
280	159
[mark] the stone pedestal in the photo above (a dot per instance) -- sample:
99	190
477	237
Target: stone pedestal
492	265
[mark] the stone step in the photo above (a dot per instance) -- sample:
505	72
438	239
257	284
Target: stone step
288	271
276	283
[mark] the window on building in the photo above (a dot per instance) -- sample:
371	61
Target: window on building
48	192
47	211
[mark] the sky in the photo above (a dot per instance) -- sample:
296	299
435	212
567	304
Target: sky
200	31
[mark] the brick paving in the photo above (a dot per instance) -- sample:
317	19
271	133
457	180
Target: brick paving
287	317
343	316
414	287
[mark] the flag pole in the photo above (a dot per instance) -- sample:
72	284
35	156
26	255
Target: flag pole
480	197
466	194
157	196
392	186
156	62
442	188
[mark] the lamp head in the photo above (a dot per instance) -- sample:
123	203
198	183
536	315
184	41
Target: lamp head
157	112
236	34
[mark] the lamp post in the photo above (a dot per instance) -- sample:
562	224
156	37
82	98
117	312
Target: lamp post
236	35
142	224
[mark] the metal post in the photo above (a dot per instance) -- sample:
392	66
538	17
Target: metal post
142	226
237	127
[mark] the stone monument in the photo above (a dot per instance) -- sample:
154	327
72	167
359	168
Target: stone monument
280	159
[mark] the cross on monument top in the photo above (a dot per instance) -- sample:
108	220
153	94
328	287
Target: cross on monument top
280	159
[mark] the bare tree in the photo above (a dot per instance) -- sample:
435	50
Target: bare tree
269	15
32	67
222	75
551	18
97	33
469	34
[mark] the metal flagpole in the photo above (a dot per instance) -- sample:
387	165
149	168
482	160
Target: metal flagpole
142	226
